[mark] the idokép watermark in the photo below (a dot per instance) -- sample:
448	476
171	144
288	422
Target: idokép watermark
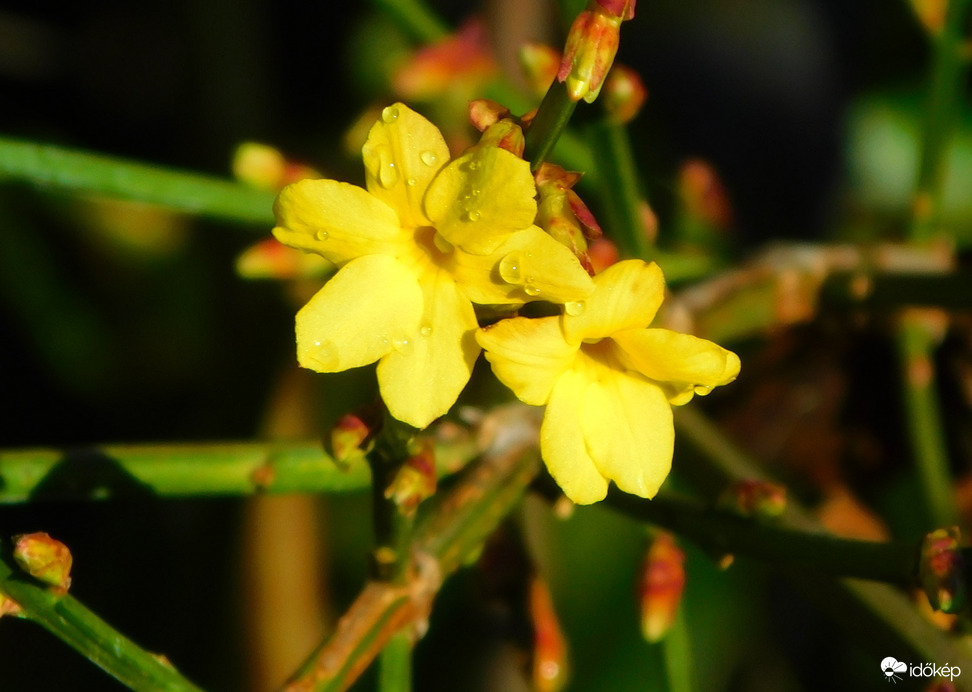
895	670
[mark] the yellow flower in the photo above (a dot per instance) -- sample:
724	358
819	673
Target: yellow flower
608	382
428	238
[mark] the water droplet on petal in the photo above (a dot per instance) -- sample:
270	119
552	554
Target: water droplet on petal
321	235
530	289
475	192
702	389
410	182
387	173
511	268
575	307
426	330
472	215
403	345
428	158
474	165
325	355
390	114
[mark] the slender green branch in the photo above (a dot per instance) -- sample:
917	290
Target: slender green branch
395	664
916	344
621	188
551	119
67	619
455	526
884	612
678	655
416	18
85	173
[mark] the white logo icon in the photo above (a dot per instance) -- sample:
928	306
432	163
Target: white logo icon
891	666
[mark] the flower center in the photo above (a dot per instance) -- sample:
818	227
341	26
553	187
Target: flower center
434	248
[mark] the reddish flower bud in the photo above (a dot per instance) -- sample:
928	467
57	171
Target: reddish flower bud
550	663
465	59
352	435
624	94
705	199
415	480
754	498
271	259
44	558
540	65
591	46
562	213
661	586
942	570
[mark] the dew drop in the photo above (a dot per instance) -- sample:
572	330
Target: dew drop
511	268
530	289
426	330
403	345
324	355
410	182
472	215
321	235
475	192
428	158
387	173
474	165
575	307
702	389
390	114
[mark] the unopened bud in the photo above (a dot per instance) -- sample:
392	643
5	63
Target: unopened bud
624	94
591	46
44	558
754	498
540	65
464	58
504	134
352	436
661	585
271	259
942	570
9	606
562	213
415	480
264	167
705	198
550	662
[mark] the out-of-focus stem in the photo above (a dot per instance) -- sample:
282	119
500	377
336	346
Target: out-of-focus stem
418	19
551	119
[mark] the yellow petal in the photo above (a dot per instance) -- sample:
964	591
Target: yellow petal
627	295
356	318
682	363
530	265
336	220
527	355
562	442
421	378
482	197
402	155
627	425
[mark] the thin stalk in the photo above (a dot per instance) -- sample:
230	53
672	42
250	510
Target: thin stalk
678	655
70	621
879	611
621	189
94	174
415	17
454	528
551	120
395	664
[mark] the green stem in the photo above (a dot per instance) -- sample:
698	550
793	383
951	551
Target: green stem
393	524
915	346
945	83
66	618
725	533
85	173
620	188
395	664
678	655
420	21
454	528
878	610
551	119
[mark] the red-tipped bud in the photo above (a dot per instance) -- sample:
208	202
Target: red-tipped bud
415	480
624	94
44	558
661	586
264	167
550	662
504	134
352	436
540	64
271	259
754	498
942	570
484	112
591	46
465	58
9	606
562	213
703	195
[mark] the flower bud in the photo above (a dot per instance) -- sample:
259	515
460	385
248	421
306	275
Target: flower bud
352	436
661	585
462	60
754	498
271	259
624	94
415	480
8	606
44	558
540	64
264	167
941	570
591	46
550	669
562	213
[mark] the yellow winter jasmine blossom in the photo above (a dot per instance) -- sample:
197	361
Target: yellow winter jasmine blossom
608	382
428	238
